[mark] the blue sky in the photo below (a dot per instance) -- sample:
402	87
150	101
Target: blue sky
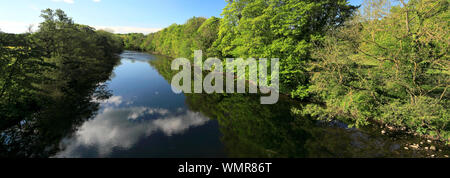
122	16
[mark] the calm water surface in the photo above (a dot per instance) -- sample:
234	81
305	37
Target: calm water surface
144	118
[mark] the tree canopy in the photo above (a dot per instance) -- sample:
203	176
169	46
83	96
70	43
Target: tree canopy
389	65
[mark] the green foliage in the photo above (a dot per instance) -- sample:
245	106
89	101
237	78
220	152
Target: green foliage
389	65
21	69
176	40
206	36
280	29
48	80
133	41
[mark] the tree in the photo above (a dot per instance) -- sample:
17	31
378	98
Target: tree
176	40
22	69
389	66
133	41
47	82
207	34
280	29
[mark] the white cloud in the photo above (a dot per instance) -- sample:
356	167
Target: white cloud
97	0
114	100
124	29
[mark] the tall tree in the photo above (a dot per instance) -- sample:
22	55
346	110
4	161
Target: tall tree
280	29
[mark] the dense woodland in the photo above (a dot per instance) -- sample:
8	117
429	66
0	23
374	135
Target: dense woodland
386	63
47	81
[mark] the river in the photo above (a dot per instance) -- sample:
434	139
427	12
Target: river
144	118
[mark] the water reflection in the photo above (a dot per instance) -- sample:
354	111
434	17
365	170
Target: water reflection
124	127
250	129
40	135
142	119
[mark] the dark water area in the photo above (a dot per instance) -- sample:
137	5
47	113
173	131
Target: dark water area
141	117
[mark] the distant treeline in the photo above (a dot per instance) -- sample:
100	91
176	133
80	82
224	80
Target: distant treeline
48	78
386	63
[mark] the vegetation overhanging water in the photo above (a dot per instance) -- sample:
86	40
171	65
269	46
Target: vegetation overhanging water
385	65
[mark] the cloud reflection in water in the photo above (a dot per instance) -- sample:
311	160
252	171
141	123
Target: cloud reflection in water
124	127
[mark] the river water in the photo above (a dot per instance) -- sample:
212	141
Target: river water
144	118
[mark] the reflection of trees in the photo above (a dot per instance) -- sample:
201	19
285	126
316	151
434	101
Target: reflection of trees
163	65
68	104
250	129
